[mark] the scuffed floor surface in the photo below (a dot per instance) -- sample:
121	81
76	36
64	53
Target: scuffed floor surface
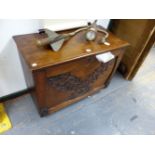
123	108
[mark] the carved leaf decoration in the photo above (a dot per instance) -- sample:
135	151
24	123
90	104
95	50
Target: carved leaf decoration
75	85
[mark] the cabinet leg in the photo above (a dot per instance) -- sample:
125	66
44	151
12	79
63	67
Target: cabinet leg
107	84
43	112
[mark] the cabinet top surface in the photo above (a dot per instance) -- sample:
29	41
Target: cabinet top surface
74	48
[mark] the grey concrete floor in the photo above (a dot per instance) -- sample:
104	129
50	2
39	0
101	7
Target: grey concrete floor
122	108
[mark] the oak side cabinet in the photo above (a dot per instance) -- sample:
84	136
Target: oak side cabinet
58	79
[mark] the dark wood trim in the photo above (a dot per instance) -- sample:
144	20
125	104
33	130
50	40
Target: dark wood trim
14	95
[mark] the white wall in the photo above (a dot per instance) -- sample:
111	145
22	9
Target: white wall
70	23
11	74
103	22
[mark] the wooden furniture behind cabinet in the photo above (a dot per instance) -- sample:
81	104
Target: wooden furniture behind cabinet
64	77
140	33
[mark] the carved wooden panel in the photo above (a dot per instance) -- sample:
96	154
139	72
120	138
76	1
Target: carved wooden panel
75	85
